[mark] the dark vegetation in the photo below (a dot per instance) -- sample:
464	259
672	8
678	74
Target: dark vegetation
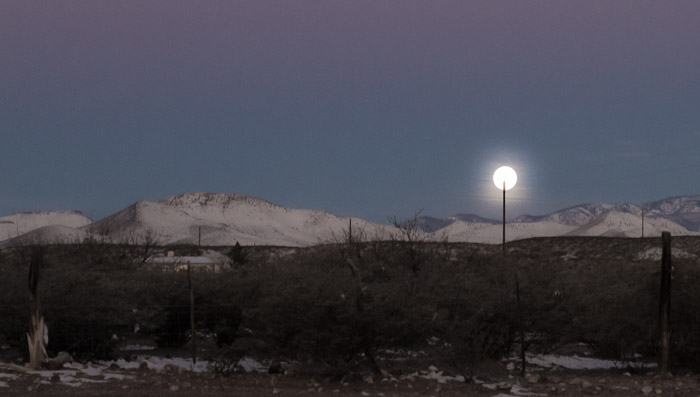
340	304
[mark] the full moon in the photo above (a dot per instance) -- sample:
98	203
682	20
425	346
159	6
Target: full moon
505	174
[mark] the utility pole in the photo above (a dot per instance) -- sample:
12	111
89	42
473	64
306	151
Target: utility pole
504	217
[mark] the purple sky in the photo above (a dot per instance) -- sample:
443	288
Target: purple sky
363	108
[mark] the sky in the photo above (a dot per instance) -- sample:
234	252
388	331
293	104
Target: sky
361	108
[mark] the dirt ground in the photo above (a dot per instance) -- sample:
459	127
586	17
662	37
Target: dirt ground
147	382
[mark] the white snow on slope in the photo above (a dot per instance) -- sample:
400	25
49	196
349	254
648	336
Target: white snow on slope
620	224
24	222
64	223
53	234
225	219
611	224
493	234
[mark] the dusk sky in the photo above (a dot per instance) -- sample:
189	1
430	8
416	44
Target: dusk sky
360	108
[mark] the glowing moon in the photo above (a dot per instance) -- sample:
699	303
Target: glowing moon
505	174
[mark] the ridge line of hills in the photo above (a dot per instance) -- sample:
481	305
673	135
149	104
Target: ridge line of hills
227	218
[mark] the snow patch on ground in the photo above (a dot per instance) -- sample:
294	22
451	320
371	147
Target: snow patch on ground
574	362
433	374
5	377
251	365
134	347
518	390
159	363
654	253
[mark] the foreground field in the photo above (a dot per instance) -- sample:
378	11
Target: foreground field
343	311
79	380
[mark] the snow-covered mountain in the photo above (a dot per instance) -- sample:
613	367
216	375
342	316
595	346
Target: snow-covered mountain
24	222
683	210
678	215
625	224
227	218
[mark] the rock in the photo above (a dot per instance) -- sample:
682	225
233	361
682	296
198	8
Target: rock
174	388
113	367
186	385
646	390
167	368
143	366
276	391
532	378
586	384
58	361
368	379
575	381
432	368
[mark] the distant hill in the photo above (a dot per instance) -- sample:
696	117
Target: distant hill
679	215
24	222
227	218
684	210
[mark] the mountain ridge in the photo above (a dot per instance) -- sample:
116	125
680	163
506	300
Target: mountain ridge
227	218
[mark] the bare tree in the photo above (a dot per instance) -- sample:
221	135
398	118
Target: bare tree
415	245
37	337
350	247
150	242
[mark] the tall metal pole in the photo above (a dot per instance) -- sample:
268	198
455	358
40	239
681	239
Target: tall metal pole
504	217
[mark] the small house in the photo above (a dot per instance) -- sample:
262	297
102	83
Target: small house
180	263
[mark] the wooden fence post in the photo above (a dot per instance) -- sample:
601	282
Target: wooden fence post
665	302
38	334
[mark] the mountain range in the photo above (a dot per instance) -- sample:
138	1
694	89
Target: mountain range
227	218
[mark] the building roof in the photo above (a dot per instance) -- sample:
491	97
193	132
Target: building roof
182	260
